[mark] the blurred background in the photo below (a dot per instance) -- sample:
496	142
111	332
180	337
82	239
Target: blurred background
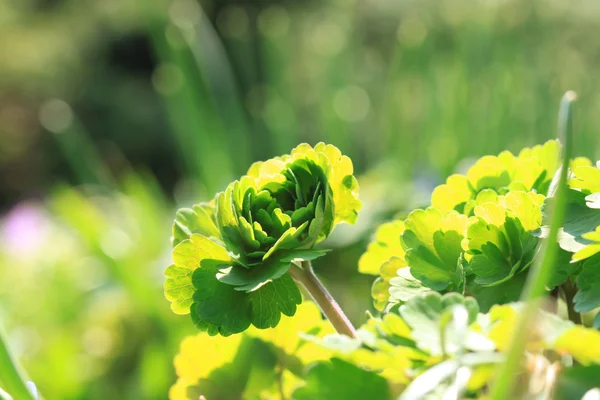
114	113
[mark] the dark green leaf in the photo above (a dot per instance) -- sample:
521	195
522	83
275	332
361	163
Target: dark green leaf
219	304
563	269
574	382
503	293
491	268
588	281
277	297
251	279
337	379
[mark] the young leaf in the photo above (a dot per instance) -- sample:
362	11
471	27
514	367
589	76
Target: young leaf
199	219
433	246
385	245
499	242
531	170
425	314
404	287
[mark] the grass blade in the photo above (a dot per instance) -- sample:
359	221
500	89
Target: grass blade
542	268
12	378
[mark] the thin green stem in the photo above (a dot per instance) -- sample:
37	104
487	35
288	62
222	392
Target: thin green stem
306	276
541	270
12	379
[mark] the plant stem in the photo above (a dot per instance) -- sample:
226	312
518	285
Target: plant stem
544	262
306	276
569	290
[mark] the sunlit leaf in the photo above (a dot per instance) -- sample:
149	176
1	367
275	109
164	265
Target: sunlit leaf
433	246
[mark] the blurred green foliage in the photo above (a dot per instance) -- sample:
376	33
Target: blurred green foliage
194	92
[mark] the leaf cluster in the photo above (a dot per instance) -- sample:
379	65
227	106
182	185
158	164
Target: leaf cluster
481	234
231	255
435	345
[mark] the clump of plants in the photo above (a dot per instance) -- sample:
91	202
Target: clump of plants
492	291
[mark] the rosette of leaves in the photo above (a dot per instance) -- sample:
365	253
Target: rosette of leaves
483	255
420	347
232	255
426	252
499	241
532	170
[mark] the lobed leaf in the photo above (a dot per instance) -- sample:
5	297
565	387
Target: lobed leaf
433	246
198	219
188	255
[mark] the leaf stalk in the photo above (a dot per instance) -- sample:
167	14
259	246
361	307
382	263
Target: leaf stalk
305	275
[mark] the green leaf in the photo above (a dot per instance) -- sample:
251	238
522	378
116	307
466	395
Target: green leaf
380	291
337	379
491	267
564	268
384	246
499	241
579	220
404	287
232	311
342	183
590	249
199	219
574	382
588	281
427	316
251	279
188	255
585	177
433	246
280	296
506	292
219	304
531	170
